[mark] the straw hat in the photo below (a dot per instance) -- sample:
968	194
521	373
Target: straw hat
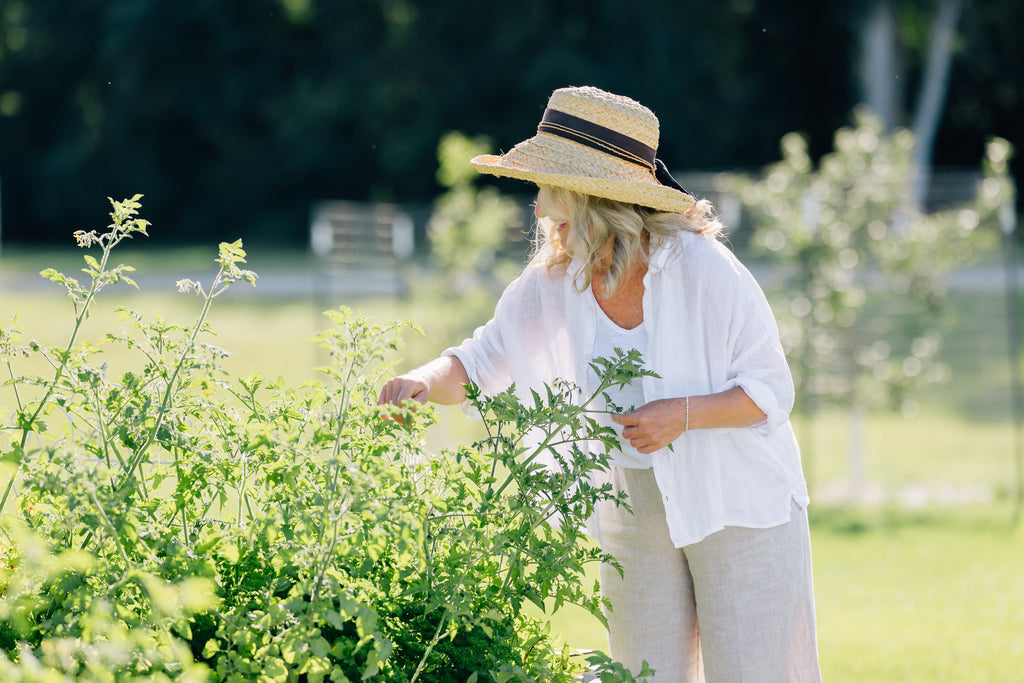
597	143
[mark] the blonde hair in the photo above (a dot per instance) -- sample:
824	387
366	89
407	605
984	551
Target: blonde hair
610	235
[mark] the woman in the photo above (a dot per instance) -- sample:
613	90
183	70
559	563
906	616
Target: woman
715	554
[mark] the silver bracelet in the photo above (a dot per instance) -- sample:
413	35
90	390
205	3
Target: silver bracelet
686	428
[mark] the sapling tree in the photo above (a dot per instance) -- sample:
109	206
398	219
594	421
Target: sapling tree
861	307
469	227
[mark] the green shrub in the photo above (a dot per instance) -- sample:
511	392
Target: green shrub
169	522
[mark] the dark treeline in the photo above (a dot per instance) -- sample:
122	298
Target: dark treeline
231	116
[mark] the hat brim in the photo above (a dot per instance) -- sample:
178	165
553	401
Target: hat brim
549	160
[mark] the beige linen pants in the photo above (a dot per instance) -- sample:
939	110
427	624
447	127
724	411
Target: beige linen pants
736	607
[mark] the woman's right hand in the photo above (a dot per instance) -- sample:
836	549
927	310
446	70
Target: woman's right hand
441	380
400	389
403	388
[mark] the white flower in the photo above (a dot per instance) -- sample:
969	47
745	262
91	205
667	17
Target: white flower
185	286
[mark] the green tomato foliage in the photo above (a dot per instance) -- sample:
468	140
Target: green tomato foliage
168	522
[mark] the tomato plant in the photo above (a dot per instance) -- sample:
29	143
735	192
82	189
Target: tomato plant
167	521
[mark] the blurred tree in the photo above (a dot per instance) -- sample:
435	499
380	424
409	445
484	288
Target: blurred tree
868	265
931	99
986	92
470	226
918	58
880	82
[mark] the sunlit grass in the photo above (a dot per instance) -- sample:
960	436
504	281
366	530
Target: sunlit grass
144	257
936	596
903	597
936	447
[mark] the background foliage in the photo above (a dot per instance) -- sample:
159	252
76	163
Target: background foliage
864	259
231	117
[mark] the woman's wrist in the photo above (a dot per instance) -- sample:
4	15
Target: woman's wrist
728	409
444	379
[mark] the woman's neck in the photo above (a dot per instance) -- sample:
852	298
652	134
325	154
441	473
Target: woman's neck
624	306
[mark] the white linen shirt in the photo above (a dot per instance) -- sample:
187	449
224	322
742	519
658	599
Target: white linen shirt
709	329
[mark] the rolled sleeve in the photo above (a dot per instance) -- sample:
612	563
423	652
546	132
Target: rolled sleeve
760	368
485	362
467	408
765	397
494	349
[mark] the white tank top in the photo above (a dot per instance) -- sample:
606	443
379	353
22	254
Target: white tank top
609	337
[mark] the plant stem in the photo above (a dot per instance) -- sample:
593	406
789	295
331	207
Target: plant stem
110	527
430	648
165	401
80	316
14	385
547	442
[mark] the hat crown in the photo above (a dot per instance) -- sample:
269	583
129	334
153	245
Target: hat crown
616	112
596	143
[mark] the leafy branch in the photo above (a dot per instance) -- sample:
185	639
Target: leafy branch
283	533
124	226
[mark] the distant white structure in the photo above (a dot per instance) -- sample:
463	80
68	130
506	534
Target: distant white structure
359	247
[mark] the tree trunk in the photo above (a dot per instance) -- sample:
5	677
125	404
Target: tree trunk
879	72
932	96
856	453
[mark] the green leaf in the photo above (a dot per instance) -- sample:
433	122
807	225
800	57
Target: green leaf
211	648
13	456
319	647
372	666
275	669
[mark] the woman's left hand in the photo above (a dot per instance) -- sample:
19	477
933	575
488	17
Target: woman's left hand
654	425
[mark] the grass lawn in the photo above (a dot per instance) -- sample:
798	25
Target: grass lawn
934	595
925	582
